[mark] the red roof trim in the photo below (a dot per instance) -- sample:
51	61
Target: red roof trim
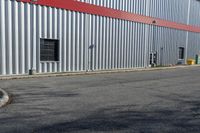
108	12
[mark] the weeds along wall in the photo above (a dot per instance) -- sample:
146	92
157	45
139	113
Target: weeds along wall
92	42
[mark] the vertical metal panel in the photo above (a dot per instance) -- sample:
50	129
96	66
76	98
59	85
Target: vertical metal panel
28	32
15	39
9	36
33	37
2	37
38	35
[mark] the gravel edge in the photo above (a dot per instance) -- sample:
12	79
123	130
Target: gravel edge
12	77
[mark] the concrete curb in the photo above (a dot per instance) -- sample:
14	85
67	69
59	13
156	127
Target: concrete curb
11	77
5	98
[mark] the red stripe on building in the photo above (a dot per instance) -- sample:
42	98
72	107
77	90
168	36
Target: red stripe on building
112	13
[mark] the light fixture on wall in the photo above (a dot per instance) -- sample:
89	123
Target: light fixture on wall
154	22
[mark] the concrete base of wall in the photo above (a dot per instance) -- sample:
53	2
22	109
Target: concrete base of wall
41	75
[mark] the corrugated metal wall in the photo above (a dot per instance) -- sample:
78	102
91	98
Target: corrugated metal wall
193	45
195	13
22	26
89	42
133	6
172	10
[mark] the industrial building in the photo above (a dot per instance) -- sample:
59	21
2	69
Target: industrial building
84	35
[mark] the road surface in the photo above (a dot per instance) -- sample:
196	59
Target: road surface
165	101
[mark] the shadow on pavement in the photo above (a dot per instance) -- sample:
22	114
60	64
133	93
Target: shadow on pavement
130	119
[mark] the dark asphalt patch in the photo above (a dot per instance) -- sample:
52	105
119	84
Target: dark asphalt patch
1	94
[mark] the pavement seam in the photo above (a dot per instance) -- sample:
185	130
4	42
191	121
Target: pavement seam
43	75
5	98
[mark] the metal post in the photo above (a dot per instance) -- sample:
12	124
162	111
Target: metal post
153	44
147	27
161	56
187	34
91	50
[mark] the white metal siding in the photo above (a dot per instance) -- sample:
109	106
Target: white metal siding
172	10
117	43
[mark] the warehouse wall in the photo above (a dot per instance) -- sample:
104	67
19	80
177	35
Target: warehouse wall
194	45
87	42
167	44
25	24
194	13
133	6
172	10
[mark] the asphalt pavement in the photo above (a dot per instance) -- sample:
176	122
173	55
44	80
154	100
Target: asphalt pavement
1	94
163	101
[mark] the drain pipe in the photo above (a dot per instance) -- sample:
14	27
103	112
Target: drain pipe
187	34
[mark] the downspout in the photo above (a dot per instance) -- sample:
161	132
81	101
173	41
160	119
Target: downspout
187	34
146	64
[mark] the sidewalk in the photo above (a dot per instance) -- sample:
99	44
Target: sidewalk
42	75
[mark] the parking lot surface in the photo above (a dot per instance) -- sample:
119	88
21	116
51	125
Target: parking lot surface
165	101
